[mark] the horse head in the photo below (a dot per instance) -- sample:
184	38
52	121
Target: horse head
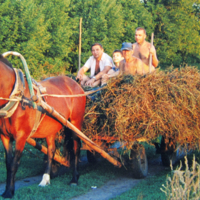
7	79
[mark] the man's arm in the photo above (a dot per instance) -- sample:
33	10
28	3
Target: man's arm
104	71
81	72
98	76
113	74
154	56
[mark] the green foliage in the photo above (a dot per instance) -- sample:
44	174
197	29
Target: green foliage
102	22
46	33
135	15
176	31
39	31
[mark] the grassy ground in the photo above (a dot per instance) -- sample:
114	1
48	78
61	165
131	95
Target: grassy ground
30	157
90	175
147	189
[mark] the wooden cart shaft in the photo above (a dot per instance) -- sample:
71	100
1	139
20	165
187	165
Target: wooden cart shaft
43	149
83	137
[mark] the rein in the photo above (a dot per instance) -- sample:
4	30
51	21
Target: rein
75	95
56	95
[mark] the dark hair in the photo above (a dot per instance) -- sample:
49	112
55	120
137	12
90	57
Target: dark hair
140	28
97	44
117	51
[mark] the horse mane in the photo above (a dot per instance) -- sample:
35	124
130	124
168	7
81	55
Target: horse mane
5	61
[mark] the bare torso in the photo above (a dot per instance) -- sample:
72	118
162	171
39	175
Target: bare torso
142	52
133	67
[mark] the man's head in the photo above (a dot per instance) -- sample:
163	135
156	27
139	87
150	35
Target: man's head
140	35
117	56
127	50
97	50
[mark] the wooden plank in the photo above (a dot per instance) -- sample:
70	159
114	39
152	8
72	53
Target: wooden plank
43	149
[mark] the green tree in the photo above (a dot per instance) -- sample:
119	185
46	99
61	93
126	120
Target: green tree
135	15
40	31
176	31
102	22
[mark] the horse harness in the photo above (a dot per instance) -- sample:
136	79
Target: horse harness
17	95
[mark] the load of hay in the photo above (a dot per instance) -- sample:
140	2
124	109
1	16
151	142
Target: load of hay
164	103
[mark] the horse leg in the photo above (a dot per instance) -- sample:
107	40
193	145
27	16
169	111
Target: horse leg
50	154
9	192
12	163
68	145
77	145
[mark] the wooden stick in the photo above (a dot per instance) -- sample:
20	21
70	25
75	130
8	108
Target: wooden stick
150	58
83	137
43	149
79	54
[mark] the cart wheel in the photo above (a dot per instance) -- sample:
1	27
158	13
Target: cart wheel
91	157
139	162
167	155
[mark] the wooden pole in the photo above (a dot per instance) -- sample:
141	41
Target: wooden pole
43	149
83	137
150	58
79	52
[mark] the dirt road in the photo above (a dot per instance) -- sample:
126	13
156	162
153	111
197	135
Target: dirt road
115	187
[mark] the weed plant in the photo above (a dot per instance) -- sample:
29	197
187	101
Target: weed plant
183	184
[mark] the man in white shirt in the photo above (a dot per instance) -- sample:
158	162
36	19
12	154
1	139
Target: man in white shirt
99	64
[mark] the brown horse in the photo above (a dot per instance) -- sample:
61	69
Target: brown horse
19	126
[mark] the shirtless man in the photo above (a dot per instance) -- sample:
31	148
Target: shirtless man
142	48
131	64
99	64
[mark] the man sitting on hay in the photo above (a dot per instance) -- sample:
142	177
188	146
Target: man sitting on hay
143	49
99	64
131	64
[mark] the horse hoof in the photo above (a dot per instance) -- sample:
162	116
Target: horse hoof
7	194
45	180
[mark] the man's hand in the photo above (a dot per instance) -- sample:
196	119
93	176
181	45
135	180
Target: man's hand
79	76
152	50
81	73
90	82
105	76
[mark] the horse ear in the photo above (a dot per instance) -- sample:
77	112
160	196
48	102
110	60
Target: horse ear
5	61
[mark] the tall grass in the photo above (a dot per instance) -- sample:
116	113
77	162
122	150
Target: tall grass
183	184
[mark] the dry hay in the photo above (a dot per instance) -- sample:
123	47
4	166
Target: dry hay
165	103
